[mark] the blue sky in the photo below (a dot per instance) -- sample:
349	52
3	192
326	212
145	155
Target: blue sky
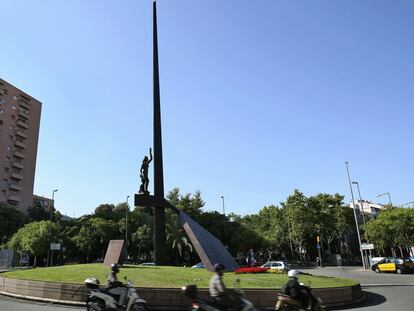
258	97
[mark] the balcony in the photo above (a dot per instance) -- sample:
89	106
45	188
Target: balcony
18	165
15	187
24	105
24	115
21	134
20	144
13	199
23	124
19	155
16	176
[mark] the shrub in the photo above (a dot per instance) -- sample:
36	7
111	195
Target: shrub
251	270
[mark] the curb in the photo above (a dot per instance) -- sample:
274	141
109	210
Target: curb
386	285
53	301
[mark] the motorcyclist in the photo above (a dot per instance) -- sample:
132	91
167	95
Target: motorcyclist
223	297
297	291
115	287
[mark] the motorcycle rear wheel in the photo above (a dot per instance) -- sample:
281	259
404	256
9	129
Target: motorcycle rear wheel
286	307
139	307
94	300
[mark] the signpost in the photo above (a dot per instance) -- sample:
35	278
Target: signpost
367	246
54	247
318	246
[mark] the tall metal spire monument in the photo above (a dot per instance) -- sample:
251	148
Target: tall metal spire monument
159	213
208	247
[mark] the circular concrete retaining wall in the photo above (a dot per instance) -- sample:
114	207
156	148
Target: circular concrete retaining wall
167	298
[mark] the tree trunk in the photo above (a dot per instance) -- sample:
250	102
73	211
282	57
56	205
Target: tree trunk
393	252
401	251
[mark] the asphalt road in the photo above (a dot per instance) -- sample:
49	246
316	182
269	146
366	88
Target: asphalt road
389	292
365	277
11	304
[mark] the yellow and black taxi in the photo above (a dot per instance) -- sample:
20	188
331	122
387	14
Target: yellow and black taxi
396	265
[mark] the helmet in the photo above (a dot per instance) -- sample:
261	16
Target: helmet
115	267
293	274
218	267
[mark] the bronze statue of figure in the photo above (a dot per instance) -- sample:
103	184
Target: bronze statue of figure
144	173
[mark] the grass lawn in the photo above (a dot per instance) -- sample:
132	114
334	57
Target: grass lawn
168	277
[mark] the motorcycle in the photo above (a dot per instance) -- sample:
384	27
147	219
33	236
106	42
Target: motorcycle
120	298
287	303
199	304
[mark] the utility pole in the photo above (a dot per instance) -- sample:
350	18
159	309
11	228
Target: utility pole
224	221
126	228
355	215
52	206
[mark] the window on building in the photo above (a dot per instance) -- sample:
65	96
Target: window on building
14	97
6	169
4	180
4	191
2	101
2	111
14	107
8	147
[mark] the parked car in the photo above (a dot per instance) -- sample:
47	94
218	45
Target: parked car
148	264
375	260
278	265
391	264
199	265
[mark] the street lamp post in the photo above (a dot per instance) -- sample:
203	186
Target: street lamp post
52	207
355	216
126	228
224	221
389	197
362	209
363	215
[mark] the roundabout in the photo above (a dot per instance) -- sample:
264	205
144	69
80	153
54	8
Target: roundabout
161	286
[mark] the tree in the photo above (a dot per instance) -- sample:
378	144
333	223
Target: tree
177	240
393	228
301	219
94	236
35	237
191	205
143	239
38	213
334	219
105	211
11	220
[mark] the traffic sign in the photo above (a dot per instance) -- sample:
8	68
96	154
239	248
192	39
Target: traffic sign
367	246
55	246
